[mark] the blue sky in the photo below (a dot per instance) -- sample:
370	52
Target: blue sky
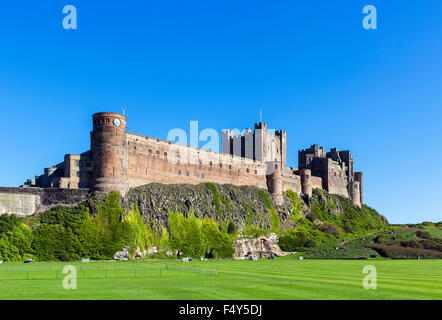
309	65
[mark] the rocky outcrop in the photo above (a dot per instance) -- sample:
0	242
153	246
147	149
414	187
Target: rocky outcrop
247	207
261	247
122	255
242	205
151	250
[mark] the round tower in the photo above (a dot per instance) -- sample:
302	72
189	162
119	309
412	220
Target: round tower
109	151
274	182
355	193
358	177
306	182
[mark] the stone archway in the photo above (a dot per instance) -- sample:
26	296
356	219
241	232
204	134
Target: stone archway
263	243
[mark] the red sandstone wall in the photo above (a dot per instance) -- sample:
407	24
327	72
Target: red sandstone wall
316	182
155	160
337	179
291	181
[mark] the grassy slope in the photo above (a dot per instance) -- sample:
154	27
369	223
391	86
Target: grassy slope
361	246
328	219
285	278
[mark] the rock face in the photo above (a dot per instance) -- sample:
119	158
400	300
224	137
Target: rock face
122	255
137	253
261	247
151	250
241	204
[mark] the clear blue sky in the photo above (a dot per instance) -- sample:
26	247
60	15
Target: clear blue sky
309	64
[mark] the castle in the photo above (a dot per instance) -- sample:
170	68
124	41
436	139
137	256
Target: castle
119	160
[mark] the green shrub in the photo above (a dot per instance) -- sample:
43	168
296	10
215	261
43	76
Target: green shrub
274	218
216	198
348	228
8	222
295	213
423	234
296	241
217	244
143	236
114	231
53	242
15	239
198	237
399	252
380	239
226	202
256	232
231	228
310	243
331	229
67	233
341	253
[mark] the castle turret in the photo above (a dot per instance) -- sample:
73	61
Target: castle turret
358	177
109	151
282	134
306	182
355	193
274	182
260	143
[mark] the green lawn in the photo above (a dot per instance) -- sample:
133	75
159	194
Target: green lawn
285	278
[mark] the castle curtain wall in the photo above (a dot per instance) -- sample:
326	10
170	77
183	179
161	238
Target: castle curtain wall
316	182
290	181
155	160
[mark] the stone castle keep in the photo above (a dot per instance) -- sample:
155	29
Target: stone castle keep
119	160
